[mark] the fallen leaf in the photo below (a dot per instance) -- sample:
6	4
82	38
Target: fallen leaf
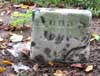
36	67
3	13
7	62
2	69
51	63
89	68
78	65
9	12
95	36
60	73
16	38
1	39
10	33
92	39
18	27
16	6
3	46
19	48
65	72
19	67
27	38
1	20
11	74
7	28
13	52
28	26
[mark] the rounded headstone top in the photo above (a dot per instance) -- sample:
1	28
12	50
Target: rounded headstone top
64	11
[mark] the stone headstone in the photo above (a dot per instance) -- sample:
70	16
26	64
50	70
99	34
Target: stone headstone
60	35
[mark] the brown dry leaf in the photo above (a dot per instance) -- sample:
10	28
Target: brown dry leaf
28	26
7	62
51	63
60	73
65	72
18	27
24	51
36	67
89	68
27	38
10	33
3	46
78	65
2	69
7	28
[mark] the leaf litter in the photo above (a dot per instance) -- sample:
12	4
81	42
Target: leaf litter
17	44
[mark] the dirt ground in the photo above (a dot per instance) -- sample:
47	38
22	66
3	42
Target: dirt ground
94	54
95	48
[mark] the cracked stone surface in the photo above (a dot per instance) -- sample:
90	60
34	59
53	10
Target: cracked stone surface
60	35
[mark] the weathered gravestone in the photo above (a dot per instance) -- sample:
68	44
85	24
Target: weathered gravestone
60	35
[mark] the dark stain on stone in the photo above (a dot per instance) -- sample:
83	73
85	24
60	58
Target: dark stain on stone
79	27
85	39
45	33
40	59
33	43
67	38
42	19
55	53
74	49
52	36
47	51
50	22
59	39
82	58
33	15
40	36
67	45
83	23
48	35
76	38
64	49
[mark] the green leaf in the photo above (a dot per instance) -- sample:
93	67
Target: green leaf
97	37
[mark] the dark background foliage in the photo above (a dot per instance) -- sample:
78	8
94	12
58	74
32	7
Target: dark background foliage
92	5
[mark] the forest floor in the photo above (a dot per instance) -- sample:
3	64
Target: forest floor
15	48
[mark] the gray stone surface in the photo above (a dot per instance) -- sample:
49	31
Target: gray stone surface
60	35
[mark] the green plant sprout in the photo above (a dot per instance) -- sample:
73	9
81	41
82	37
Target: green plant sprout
20	18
